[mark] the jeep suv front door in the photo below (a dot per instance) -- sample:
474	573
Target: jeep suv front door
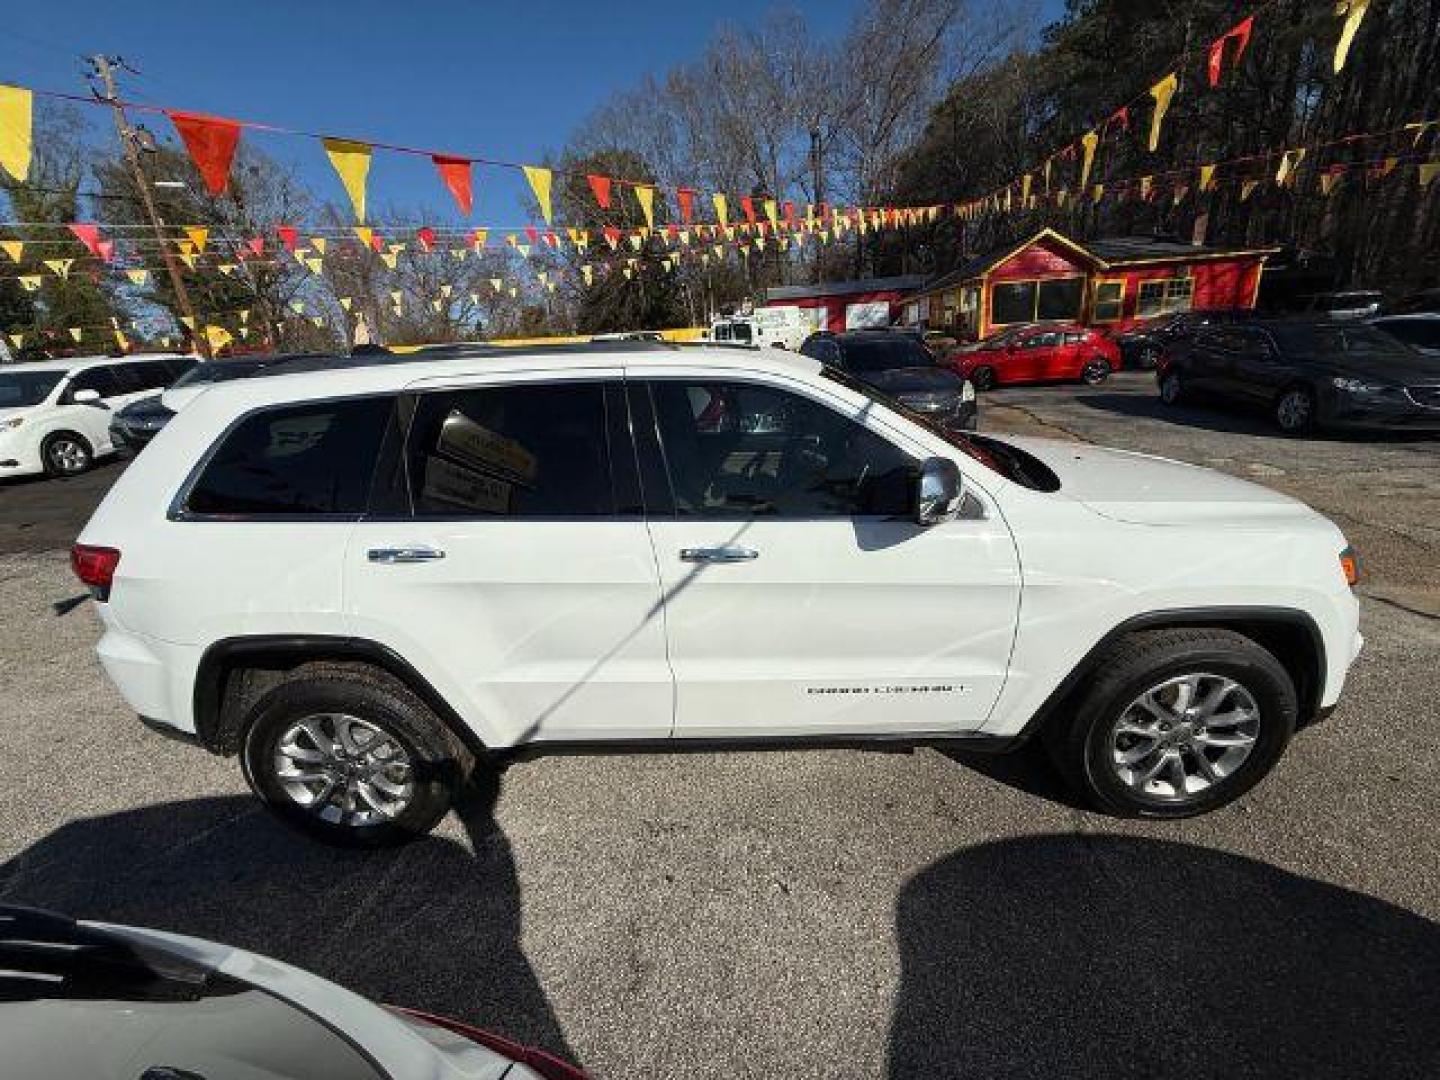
800	595
506	557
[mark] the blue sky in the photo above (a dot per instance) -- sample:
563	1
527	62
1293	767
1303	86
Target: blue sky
509	80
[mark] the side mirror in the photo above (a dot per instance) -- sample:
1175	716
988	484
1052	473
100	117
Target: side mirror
939	492
86	397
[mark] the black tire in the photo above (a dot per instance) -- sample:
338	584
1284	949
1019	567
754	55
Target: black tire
983	378
1095	372
1294	410
1172	388
1082	742
439	763
1148	357
66	453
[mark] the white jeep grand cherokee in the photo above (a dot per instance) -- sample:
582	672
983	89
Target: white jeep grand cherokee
360	581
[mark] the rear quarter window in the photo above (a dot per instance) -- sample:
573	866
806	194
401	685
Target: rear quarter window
310	460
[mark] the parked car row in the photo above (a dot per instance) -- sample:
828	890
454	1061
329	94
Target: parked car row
899	366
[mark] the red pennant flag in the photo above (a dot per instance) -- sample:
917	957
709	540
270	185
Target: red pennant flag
377	242
1239	33
256	245
600	186
686	198
89	235
455	172
1121	116
533	233
748	205
789	213
612	234
426	236
552	240
105	249
288	235
211	141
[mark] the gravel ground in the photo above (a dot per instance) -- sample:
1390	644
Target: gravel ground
823	913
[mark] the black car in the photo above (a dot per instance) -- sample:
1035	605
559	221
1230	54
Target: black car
132	427
1142	344
1308	374
900	367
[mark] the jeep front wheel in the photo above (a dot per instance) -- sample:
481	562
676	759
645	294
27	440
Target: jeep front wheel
1176	723
352	761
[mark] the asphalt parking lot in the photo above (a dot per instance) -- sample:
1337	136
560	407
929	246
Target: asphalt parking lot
822	913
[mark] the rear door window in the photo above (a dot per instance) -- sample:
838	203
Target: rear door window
100	379
310	460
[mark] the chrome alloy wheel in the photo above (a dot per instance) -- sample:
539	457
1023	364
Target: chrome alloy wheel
1293	410
344	770
67	455
1184	735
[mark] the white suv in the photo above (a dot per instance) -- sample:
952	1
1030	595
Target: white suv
55	414
361	581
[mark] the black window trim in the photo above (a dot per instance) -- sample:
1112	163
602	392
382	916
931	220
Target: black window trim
784	385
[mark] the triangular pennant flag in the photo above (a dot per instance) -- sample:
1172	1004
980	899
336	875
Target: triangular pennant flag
1353	11
351	161
1162	92
60	267
287	234
244	314
540	180
365	235
218	336
1099	193
478	238
771	213
446	290
226	268
138	277
297	306
1207	177
1248	188
1089	141
389	258
1328	179
315	265
396	296
1427	173
600	188
256	245
14	248
645	195
686	198
211	141
455	174
188	322
1289	162
1239	33
1146	184
318	321
16	340
496	284
16	130
426	236
87	234
77	332
722	209
458	254
29	282
319	243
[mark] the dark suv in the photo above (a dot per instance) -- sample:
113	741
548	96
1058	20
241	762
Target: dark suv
1308	374
896	364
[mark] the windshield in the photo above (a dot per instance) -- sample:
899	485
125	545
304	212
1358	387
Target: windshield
1010	462
885	354
21	388
1422	333
214	371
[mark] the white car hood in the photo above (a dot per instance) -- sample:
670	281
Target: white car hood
1149	490
177	397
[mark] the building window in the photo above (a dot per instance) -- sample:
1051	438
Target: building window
1164	296
1031	301
1109	301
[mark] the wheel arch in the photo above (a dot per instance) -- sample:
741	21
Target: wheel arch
1290	634
234	672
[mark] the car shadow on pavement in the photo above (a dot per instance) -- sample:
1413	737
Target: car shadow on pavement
1110	956
1238	422
1027	768
430	925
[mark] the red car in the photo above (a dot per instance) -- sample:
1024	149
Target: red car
1035	353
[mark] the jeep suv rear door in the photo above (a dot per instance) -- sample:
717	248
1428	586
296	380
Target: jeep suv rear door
506	558
800	596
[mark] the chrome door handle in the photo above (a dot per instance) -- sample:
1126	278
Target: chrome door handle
718	554
404	554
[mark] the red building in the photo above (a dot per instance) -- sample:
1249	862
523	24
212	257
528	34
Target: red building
848	305
1109	283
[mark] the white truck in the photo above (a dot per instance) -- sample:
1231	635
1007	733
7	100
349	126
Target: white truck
783	326
363	581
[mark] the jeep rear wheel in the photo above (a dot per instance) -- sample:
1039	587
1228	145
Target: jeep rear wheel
352	761
1176	723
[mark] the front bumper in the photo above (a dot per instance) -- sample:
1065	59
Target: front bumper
1376	412
19	455
130	438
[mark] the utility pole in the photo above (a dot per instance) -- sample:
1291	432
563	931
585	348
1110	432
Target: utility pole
819	194
104	69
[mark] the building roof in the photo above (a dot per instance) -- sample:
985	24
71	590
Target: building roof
904	283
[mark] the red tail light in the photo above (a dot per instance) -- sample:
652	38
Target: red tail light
546	1065
95	566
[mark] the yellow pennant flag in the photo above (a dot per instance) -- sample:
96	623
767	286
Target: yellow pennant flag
315	265
365	235
436	304
396	297
458	254
60	267
199	236
77	332
15	130
1427	173
636	241
1207	177
1328	180
1146	183
187	259
722	209
1248	188
244	331
346	302
121	340
319	244
138	277
188	322
317	320
1289	162
244	314
496	284
446	290
1099	193
772	212
351	161
1025	182
297	306
16	340
628	273
389	258
1162	92
1353	11
226	268
394	249
1388	166
540	179
645	195
14	248
218	336
1090	140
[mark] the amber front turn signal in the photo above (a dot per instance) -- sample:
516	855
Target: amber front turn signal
1350	565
